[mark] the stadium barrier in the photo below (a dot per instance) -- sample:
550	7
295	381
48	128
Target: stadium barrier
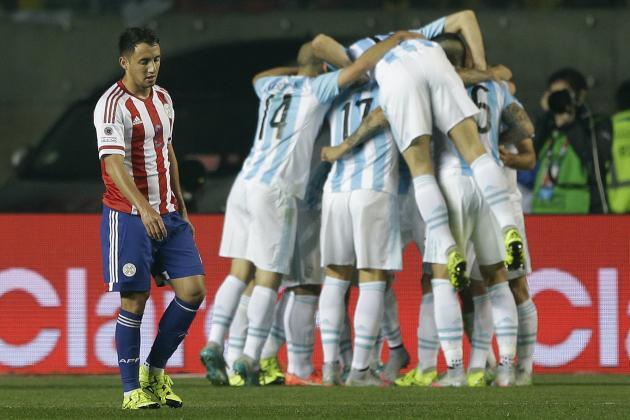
58	318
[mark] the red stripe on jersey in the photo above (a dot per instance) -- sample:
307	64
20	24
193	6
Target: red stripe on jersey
137	151
159	145
107	103
112	197
112	115
111	147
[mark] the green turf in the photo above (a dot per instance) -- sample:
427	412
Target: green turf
584	396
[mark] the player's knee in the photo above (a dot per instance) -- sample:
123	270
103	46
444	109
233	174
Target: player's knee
134	302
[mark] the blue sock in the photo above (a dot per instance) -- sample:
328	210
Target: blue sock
128	348
172	330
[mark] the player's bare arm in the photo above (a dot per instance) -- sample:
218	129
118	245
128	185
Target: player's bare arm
374	122
151	219
520	132
276	71
329	50
472	76
466	24
176	187
371	57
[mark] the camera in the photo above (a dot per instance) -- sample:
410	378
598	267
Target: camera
561	101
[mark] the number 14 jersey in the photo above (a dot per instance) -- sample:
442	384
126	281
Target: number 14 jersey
290	115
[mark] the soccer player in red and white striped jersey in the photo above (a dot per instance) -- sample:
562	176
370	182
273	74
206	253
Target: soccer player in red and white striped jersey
145	228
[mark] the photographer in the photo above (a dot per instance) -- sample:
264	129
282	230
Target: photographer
573	148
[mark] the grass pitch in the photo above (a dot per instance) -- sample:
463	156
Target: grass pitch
87	397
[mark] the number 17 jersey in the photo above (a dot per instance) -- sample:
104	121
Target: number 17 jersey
290	115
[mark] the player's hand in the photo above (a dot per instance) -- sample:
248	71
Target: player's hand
500	73
332	154
153	223
187	220
506	157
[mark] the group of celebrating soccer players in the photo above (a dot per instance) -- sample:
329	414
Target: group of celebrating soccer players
313	229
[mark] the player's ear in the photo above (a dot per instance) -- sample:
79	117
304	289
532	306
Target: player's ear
123	62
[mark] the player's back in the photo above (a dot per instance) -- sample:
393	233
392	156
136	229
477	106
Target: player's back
373	165
492	98
291	112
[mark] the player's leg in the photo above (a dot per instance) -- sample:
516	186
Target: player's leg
398	355
448	320
345	345
481	331
270	370
226	302
234	242
367	319
126	269
299	321
178	260
527	330
237	335
332	312
505	319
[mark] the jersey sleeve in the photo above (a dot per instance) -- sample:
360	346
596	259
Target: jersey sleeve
432	29
326	87
170	112
509	98
261	85
110	131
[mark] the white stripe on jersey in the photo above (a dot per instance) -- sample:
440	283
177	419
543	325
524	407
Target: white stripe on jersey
370	166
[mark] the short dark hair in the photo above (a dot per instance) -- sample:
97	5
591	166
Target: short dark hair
133	36
454	47
622	97
574	78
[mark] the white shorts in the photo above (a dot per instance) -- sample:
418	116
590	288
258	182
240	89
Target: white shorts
412	228
306	262
260	225
418	87
470	220
361	228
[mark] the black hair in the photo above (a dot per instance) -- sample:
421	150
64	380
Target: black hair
622	97
133	36
574	78
454	47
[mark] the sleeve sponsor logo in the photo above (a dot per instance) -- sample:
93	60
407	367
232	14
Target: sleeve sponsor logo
109	140
108	130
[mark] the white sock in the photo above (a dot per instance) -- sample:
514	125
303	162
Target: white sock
434	212
527	332
391	324
448	319
276	337
225	304
260	318
345	343
428	340
505	319
154	370
481	337
377	350
493	186
299	324
238	332
332	308
367	318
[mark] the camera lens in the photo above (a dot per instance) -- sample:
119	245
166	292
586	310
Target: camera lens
560	101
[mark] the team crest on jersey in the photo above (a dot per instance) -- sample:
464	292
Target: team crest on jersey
169	110
108	130
136	120
129	269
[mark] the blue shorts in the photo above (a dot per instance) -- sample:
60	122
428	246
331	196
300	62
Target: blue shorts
130	257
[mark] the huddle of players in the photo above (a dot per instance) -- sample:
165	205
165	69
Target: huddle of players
393	95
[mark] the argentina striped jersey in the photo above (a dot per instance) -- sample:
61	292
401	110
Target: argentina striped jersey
291	112
372	165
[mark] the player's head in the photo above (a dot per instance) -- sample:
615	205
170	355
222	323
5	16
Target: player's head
622	97
140	56
308	62
454	47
